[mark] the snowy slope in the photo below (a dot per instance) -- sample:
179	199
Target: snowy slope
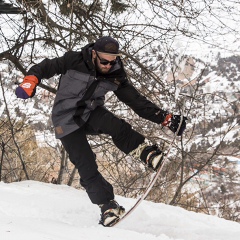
32	210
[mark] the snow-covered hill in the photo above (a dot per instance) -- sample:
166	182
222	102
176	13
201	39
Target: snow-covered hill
33	210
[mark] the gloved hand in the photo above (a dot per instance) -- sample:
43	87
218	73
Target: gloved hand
27	88
173	121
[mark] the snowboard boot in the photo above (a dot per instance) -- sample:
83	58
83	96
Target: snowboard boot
150	155
111	212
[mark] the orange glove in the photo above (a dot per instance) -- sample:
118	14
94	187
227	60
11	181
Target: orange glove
27	88
167	120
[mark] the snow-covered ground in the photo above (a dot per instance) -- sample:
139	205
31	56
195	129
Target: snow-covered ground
37	211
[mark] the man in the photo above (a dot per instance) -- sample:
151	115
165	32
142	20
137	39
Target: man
79	110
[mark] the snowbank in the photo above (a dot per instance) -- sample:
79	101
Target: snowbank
33	210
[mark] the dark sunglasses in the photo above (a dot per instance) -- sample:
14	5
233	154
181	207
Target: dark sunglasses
106	62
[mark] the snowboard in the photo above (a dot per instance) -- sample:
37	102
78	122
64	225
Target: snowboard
151	183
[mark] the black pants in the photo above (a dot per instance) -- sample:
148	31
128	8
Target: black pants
81	155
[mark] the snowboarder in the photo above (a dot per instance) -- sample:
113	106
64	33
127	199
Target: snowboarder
78	110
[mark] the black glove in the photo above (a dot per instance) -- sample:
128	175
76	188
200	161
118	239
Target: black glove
173	121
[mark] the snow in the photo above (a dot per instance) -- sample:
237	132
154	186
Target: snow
33	210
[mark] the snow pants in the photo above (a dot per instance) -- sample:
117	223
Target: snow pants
81	155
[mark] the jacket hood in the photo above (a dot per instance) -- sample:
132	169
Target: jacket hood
87	55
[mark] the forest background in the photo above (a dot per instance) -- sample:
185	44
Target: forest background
182	55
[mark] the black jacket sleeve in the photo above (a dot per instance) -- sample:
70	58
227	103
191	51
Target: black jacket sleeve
139	104
47	68
50	67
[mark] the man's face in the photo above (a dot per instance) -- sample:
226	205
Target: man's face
103	62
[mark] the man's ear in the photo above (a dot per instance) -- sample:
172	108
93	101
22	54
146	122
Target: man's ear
94	54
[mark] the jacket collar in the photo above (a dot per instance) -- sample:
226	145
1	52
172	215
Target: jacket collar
87	56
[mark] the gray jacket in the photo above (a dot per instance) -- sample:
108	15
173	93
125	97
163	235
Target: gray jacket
73	86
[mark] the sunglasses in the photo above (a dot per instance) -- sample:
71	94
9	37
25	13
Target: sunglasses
106	62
